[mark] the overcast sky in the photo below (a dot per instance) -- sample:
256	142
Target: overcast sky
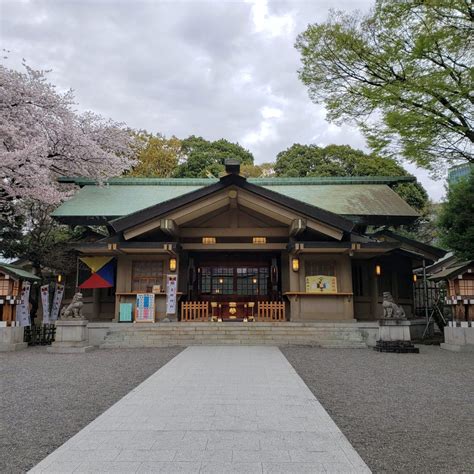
217	69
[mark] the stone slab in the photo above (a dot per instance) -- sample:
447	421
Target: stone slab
16	346
457	347
11	339
213	409
65	349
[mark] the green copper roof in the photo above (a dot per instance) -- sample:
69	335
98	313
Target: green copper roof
123	196
259	181
18	273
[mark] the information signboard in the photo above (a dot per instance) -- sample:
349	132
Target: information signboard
321	284
145	311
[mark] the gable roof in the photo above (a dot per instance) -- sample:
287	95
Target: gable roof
456	268
368	200
428	250
18	273
160	209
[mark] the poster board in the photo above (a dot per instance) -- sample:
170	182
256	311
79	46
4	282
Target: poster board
126	313
321	284
171	289
145	309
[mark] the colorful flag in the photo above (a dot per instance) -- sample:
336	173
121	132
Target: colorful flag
96	272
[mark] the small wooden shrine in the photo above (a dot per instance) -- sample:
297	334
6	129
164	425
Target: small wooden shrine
11	279
460	285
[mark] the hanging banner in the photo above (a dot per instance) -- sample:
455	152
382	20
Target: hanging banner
23	309
58	297
45	303
171	289
145	312
96	272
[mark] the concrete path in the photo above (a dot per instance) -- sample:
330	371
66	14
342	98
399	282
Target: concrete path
213	409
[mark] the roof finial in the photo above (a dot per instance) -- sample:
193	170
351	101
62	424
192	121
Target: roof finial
232	166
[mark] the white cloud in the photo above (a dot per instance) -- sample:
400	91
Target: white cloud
268	24
211	68
270	112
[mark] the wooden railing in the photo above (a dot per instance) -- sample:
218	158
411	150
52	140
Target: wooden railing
194	311
271	311
267	311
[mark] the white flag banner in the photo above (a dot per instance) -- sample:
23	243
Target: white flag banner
45	303
58	297
23	309
171	288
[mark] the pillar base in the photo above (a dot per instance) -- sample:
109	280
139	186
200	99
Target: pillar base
71	337
11	339
394	336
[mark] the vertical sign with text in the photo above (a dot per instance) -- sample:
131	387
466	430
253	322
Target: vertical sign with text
23	309
45	303
171	289
58	296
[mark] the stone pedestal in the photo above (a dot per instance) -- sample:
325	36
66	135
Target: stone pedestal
394	336
459	339
11	339
71	337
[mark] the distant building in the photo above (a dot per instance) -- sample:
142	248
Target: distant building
455	173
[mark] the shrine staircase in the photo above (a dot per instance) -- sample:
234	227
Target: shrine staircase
323	334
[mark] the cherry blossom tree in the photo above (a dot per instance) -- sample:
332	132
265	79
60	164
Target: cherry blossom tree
42	138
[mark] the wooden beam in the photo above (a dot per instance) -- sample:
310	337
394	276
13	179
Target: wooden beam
168	226
234	232
297	227
233	246
286	216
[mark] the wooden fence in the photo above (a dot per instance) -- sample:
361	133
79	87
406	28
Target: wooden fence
267	311
194	311
271	311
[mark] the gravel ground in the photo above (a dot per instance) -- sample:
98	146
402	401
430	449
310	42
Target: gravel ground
46	398
402	412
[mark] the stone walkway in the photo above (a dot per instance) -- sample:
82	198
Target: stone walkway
213	409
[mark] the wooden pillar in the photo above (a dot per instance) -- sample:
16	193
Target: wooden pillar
95	304
374	294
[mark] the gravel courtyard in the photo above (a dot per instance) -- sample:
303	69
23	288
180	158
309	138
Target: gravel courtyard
46	398
401	412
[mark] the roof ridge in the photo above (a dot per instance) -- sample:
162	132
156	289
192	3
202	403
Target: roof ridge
276	181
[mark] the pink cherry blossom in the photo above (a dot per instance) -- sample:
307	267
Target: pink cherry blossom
42	138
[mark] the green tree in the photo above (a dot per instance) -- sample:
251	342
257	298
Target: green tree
343	160
403	74
201	158
157	157
40	239
456	220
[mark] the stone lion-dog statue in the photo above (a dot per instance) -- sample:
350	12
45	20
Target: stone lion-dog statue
391	310
74	309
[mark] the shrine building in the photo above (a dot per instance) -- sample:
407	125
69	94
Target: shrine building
257	249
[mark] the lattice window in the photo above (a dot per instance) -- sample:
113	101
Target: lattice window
466	287
5	287
315	267
145	274
234	280
223	280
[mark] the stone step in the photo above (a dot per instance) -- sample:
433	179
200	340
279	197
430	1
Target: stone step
221	334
